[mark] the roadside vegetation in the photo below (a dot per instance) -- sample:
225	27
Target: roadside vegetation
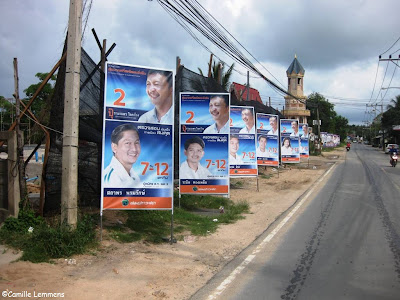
44	239
41	240
193	214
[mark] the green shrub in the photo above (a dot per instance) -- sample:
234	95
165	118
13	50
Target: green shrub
45	242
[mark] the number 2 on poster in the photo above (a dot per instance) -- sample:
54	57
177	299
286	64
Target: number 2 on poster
121	97
191	116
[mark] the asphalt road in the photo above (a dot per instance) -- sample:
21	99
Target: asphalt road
343	242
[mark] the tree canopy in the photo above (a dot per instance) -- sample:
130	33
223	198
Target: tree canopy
390	118
44	94
7	108
331	121
225	75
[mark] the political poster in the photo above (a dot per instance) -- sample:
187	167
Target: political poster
204	143
290	141
304	140
242	144
137	161
267	151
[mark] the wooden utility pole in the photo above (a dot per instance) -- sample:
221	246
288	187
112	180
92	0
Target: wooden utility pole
209	65
20	140
248	86
319	130
69	188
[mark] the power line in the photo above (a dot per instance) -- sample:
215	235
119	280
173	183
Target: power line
391	46
192	13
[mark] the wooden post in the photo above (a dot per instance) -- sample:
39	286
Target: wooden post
248	86
13	176
220	73
69	187
20	141
209	65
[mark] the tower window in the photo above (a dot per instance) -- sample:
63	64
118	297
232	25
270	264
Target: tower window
299	81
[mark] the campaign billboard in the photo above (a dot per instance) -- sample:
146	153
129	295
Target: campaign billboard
242	144
304	140
267	151
137	161
290	141
204	143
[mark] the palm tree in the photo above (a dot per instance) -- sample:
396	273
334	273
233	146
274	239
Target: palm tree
396	104
390	118
218	74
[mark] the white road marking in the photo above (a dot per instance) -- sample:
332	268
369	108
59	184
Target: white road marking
218	291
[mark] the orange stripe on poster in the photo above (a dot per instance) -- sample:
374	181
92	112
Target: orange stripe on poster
243	171
204	189
267	162
137	202
290	159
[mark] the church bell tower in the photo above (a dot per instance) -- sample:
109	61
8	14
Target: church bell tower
295	109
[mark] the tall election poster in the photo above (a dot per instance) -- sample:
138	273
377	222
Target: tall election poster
242	144
204	142
267	151
137	162
304	146
290	141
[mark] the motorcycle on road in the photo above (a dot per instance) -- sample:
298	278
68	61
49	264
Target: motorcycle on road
393	160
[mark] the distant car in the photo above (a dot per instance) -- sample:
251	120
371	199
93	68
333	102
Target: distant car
389	146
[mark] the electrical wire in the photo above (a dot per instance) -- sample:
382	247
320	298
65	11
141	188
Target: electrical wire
394	71
41	125
391	46
383	80
87	8
376	76
192	13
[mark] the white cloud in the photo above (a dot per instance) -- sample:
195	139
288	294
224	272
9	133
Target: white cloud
337	42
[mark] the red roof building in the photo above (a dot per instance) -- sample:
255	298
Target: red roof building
241	93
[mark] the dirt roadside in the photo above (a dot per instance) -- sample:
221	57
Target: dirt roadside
177	271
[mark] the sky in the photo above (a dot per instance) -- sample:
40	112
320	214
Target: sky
338	43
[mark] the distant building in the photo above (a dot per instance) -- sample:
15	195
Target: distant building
240	91
295	109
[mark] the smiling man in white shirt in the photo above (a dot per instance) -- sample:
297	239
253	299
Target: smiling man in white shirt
248	119
219	110
159	89
125	144
234	145
191	167
295	127
261	150
274	126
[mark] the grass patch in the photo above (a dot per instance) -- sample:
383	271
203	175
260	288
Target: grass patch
155	226
41	242
236	184
266	176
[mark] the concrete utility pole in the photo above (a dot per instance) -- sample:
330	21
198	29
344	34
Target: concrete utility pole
319	130
20	139
69	187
